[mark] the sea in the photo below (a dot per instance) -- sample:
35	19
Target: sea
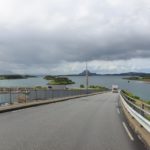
139	88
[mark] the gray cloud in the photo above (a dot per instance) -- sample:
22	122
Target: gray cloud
48	33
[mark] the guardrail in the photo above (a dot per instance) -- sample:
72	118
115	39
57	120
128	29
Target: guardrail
140	114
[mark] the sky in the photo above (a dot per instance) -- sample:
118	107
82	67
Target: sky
58	36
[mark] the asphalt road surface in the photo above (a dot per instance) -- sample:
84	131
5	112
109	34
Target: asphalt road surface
89	123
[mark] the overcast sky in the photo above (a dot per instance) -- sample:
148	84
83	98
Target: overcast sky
57	36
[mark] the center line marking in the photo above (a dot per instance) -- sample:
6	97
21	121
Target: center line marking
128	132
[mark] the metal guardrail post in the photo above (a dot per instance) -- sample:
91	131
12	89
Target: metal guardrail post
36	95
87	91
25	96
52	93
45	94
142	112
67	93
10	96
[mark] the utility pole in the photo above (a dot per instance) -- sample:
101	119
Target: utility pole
87	77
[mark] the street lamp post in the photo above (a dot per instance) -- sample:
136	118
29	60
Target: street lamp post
87	79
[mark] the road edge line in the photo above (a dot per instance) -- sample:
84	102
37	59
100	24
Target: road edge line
127	130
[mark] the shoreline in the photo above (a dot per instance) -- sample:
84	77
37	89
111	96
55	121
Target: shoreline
141	80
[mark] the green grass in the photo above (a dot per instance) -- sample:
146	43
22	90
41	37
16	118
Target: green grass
147	117
137	100
97	87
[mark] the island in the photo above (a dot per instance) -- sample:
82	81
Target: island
139	78
61	81
87	72
58	80
15	76
49	77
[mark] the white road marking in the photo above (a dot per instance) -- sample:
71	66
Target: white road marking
128	132
139	137
118	110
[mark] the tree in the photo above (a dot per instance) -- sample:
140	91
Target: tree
81	86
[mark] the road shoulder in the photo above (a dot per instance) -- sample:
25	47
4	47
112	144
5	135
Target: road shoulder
142	134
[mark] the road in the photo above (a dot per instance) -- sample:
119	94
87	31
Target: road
89	123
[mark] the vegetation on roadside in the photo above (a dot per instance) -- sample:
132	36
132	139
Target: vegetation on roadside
137	100
97	87
131	95
82	86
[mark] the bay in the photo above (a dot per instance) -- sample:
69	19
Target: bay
139	88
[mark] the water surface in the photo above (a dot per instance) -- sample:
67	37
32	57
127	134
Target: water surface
137	87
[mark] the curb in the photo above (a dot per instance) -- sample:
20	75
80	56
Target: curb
42	102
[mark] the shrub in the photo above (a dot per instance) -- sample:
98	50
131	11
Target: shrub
81	86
